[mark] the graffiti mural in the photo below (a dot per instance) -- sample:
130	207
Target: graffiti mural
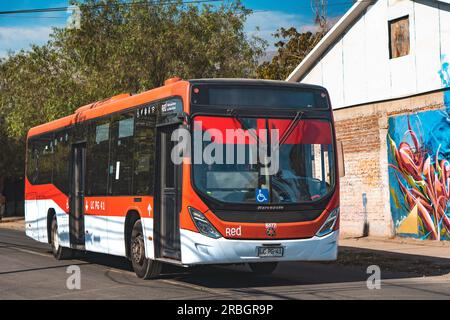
444	74
419	174
419	170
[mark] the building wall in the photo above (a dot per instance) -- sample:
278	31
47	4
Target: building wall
365	190
374	98
357	69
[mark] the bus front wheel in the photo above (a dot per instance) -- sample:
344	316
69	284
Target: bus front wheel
263	268
59	252
143	267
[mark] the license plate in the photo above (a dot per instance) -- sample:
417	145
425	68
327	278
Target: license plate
266	252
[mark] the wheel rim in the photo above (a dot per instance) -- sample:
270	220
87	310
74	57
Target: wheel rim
137	249
55	238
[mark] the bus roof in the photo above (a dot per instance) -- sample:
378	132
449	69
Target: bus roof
243	81
172	87
114	104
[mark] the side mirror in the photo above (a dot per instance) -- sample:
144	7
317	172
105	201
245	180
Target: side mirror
340	158
184	117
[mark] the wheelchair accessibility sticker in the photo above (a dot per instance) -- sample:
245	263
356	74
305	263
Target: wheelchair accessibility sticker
262	195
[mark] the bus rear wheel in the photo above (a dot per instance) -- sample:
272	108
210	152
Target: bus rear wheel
263	268
59	252
143	267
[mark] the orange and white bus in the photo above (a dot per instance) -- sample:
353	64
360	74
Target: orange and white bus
105	179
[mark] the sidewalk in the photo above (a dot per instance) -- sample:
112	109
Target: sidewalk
16	223
423	258
404	246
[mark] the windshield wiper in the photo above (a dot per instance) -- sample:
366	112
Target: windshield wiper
291	127
298	116
235	115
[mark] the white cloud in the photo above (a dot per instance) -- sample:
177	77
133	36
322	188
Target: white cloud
21	37
270	21
17	38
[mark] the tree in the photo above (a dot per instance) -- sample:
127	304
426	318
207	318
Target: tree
12	154
293	47
122	47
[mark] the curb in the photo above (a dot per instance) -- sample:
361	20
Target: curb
400	240
11	219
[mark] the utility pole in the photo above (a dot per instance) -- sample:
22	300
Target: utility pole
319	8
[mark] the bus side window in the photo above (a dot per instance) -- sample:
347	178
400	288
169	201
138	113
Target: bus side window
62	151
97	156
121	164
144	152
32	161
44	146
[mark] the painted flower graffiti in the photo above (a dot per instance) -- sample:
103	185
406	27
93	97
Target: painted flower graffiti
420	177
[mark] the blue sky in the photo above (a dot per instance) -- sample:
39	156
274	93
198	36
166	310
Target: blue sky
19	31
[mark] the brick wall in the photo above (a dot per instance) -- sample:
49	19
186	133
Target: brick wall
363	131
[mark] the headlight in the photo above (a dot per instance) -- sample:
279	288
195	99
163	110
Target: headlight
328	225
203	225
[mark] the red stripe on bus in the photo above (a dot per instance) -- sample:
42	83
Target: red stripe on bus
306	131
117	206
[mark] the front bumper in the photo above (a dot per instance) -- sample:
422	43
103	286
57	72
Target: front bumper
199	249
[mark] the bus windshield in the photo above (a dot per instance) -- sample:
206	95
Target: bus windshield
300	170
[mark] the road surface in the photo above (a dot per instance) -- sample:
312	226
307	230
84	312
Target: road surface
28	271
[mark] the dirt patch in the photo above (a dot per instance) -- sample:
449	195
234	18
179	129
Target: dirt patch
393	262
14	224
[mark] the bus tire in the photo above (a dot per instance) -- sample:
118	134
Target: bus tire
263	268
59	252
143	267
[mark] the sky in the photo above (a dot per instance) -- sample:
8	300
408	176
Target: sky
20	31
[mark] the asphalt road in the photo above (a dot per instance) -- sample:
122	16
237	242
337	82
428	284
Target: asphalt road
28	271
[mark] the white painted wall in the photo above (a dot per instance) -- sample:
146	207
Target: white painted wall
357	68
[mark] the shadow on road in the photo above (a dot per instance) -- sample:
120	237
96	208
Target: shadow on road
351	266
417	265
291	279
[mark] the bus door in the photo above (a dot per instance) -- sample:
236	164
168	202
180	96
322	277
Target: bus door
168	197
76	217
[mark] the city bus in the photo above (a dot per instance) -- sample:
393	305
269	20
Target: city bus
109	179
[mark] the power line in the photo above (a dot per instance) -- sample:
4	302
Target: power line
142	3
34	10
146	3
37	17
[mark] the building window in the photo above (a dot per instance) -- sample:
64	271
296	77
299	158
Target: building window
399	37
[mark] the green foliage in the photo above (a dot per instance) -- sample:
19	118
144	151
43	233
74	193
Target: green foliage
293	47
12	154
121	48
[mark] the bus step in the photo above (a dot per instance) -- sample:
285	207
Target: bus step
78	247
171	261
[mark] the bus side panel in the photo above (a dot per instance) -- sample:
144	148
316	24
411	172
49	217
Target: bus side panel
40	200
147	226
116	236
43	206
96	238
31	216
62	219
36	219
